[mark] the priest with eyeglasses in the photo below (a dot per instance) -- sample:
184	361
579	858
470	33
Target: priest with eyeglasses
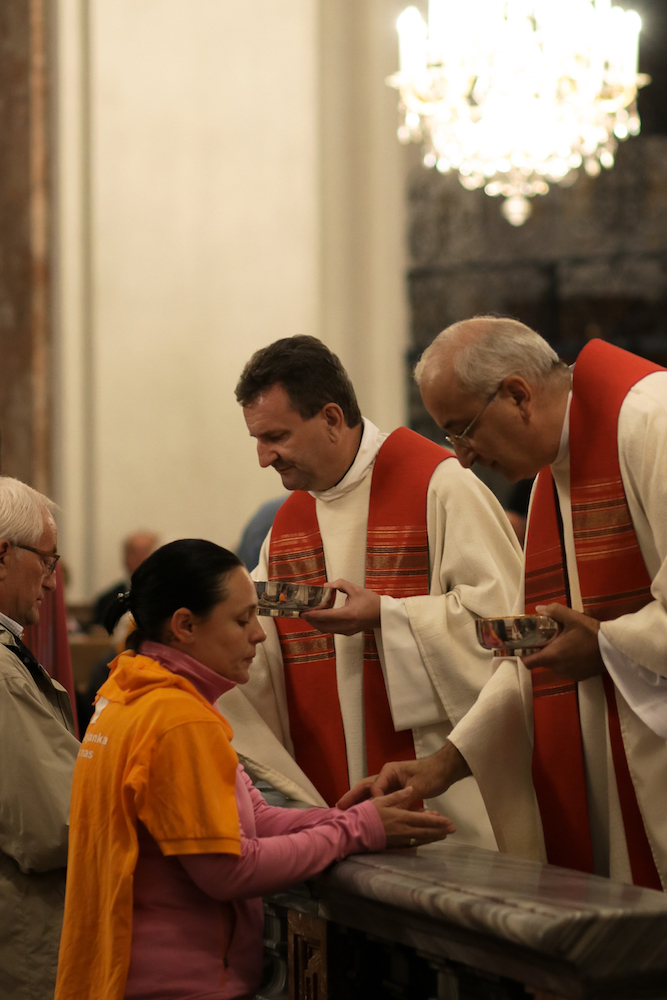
568	745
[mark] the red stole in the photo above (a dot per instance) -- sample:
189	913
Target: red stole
613	581
48	640
396	565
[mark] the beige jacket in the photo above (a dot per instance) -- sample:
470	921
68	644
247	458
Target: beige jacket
38	755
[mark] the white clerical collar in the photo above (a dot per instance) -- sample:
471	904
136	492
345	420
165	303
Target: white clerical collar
11	625
564	448
371	441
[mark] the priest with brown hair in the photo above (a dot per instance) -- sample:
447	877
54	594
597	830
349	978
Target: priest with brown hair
417	547
571	753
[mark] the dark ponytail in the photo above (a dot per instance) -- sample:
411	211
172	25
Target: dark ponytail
115	610
189	573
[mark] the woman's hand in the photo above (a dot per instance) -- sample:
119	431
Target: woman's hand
410	828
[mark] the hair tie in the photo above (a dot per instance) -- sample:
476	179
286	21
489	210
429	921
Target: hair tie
123	600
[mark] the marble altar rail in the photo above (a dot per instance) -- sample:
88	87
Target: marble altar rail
576	936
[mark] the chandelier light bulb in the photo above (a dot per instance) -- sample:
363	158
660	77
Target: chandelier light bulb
412	45
516	95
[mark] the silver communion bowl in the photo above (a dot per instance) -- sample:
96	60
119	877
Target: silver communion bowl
519	635
280	599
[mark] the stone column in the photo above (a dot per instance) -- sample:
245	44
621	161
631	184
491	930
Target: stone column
24	243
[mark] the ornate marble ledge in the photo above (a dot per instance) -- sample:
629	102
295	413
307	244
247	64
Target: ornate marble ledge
549	928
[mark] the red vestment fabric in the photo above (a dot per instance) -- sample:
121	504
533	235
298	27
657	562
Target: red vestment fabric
613	581
396	565
49	639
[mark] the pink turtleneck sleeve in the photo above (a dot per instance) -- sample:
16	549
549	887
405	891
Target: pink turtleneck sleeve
283	846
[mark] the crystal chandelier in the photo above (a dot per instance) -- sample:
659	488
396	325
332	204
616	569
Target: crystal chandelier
518	94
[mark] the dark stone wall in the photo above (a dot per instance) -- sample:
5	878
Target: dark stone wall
652	101
590	262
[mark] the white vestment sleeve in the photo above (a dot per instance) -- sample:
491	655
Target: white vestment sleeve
495	738
434	666
642	445
644	691
412	698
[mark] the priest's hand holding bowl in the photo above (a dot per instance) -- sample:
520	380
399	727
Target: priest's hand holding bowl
574	653
360	613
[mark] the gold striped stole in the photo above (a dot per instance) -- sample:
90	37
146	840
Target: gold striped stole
613	581
397	564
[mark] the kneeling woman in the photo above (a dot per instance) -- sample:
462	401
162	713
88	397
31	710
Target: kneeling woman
171	847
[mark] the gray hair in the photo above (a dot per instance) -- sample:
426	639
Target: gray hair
23	512
499	348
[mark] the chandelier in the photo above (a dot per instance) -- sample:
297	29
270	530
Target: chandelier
515	95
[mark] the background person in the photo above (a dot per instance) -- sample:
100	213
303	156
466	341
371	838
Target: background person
171	846
256	530
136	547
38	753
571	754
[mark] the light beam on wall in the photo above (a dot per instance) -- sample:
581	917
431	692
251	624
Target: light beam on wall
515	95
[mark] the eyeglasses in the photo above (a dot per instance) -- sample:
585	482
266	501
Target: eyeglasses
462	440
49	560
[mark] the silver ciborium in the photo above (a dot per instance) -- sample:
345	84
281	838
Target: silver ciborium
520	635
280	599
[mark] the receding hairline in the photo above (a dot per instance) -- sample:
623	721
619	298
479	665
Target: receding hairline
453	354
25	513
441	353
266	389
48	520
450	341
291	403
48	517
309	373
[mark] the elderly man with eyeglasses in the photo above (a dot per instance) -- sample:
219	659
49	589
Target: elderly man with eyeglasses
38	754
571	753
